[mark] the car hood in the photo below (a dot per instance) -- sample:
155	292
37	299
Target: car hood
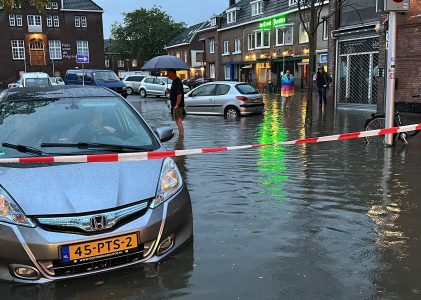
79	188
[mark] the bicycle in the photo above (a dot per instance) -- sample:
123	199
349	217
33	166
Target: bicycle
378	121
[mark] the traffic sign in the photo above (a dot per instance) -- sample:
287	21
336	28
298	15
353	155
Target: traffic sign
396	5
82	59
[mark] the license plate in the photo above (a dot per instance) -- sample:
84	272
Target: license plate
104	247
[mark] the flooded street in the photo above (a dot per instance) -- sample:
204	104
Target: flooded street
337	220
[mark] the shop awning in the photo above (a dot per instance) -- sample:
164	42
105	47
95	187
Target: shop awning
247	67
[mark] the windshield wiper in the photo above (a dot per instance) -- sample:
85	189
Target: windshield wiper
24	149
95	146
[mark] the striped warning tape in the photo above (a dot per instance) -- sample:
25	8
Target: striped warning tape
172	153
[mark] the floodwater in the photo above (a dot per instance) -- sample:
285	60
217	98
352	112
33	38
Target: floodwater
337	220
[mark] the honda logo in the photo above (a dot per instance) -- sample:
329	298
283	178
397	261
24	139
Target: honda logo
99	222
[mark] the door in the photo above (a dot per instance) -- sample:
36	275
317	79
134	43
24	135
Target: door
201	100
149	85
160	86
222	98
36	53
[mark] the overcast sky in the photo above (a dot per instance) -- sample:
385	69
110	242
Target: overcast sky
188	11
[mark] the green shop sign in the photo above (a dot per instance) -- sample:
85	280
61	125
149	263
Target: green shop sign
274	22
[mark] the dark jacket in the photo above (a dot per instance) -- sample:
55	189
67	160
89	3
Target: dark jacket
323	80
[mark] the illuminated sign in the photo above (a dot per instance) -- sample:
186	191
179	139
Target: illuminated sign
273	22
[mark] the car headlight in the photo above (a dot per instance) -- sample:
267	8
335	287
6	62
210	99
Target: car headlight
124	88
170	182
10	212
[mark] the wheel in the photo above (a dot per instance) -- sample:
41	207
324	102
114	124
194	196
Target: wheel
142	93
375	123
232	113
129	91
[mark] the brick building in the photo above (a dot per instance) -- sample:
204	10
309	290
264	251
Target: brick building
48	41
188	48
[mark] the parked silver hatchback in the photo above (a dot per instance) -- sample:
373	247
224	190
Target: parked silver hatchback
157	86
66	220
132	83
228	98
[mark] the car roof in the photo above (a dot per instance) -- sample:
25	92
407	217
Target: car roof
88	70
232	83
55	92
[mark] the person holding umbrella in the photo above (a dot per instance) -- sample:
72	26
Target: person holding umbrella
177	100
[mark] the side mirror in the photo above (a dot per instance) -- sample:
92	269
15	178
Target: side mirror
164	133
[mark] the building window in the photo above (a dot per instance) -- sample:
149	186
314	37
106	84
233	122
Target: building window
325	31
262	39
284	35
19	21
12	20
237	45
56	21
293	2
232	16
212	71
227	72
18	49
107	63
48	6
77	21
303	36
55	49
256	8
34	24
213	21
212	45
186	56
134	63
178	55
82	48
226	47
54	5
250	40
83	21
49	21
120	63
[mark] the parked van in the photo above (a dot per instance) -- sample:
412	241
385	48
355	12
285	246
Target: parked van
31	79
105	78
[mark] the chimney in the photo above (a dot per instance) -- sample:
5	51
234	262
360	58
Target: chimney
231	2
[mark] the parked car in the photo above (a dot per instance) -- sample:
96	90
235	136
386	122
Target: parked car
105	78
66	220
157	86
56	80
227	98
132	83
29	79
200	81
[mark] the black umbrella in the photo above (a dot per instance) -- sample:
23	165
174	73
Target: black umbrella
164	62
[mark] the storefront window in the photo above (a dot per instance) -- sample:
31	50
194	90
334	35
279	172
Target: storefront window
365	13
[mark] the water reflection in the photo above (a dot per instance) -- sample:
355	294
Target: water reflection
271	164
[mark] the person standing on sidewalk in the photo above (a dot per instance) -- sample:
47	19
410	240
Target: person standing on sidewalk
287	85
177	100
322	81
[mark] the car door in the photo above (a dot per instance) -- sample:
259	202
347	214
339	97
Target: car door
160	86
222	98
201	100
149	85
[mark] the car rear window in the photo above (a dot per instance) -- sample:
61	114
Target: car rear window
246	89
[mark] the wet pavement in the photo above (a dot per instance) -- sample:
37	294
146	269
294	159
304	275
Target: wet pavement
337	220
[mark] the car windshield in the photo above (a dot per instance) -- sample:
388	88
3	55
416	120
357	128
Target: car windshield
106	120
106	76
166	80
36	82
246	89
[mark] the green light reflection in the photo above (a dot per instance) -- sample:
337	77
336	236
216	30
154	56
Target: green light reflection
271	164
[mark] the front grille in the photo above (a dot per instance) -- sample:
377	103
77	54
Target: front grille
59	268
82	224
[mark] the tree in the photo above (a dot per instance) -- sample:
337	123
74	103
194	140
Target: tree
144	33
9	4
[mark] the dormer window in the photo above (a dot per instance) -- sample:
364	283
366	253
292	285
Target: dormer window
232	15
256	8
213	21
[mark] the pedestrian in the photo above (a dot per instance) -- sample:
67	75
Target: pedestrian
287	85
322	81
177	100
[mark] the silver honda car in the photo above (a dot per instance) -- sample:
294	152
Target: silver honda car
67	220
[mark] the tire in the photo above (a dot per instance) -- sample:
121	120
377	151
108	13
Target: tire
375	123
129	91
142	93
231	113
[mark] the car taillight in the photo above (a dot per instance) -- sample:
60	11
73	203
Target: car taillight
242	98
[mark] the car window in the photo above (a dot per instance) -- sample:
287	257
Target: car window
108	76
36	82
79	76
129	79
207	90
149	80
138	78
222	89
108	120
158	81
246	89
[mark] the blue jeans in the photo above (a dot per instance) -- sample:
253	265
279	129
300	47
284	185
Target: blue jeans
322	95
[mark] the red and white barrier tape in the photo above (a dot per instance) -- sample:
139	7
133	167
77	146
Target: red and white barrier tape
118	157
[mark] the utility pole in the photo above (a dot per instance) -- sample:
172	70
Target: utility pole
392	6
